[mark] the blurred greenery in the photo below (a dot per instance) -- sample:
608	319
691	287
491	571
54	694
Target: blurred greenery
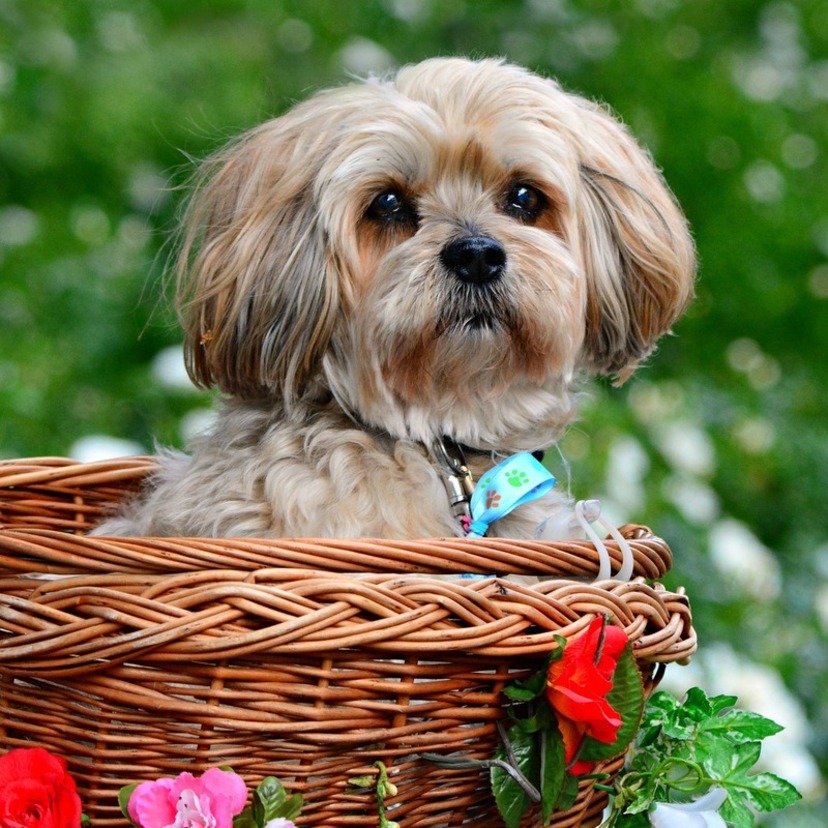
720	442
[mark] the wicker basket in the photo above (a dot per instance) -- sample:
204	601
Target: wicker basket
138	658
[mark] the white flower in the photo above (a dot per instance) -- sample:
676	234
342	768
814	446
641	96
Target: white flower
700	813
279	822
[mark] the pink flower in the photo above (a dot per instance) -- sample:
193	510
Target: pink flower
208	801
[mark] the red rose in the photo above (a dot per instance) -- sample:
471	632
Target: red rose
577	687
36	791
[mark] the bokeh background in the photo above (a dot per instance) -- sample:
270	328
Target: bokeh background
720	443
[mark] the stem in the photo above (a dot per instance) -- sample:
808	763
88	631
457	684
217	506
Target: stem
696	773
462	762
577	755
599	647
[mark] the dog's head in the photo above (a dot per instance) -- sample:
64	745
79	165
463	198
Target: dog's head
444	252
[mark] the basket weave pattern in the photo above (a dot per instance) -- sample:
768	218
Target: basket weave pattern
304	659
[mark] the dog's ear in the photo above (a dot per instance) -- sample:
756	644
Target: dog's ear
638	255
257	291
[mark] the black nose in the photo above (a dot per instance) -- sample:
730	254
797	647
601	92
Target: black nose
474	259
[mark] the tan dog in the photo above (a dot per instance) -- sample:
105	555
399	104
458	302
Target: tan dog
443	254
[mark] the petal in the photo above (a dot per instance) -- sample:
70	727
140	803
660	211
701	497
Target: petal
224	795
711	801
228	784
596	717
572	736
700	813
30	763
152	804
185	781
190	811
582	767
615	640
665	815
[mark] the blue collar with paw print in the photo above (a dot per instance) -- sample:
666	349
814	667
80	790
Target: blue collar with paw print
516	480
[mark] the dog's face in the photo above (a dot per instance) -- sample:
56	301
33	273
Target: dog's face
444	253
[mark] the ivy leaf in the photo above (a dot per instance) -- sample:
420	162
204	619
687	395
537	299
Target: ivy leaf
660	707
512	801
763	791
739	726
735	812
720	703
769	792
715	743
696	706
627	698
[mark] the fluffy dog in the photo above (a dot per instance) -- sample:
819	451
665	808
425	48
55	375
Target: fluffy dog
443	255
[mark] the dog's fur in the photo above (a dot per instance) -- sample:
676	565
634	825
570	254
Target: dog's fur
318	295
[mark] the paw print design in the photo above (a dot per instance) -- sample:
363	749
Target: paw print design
492	499
517	478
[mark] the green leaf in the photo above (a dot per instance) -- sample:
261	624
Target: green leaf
659	708
529	688
740	726
720	703
512	801
519	694
697	706
661	702
640	803
768	792
569	792
245	819
735	812
733	763
123	799
626	697
270	800
293	807
552	770
764	791
636	821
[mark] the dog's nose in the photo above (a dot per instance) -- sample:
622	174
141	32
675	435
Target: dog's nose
474	259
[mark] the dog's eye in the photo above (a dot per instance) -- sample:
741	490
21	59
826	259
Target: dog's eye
524	202
391	206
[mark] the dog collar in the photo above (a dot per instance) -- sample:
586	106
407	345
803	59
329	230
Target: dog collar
514	481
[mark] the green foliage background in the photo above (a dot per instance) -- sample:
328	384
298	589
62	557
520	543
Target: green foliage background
104	102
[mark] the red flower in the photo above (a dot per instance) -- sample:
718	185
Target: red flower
36	791
577	687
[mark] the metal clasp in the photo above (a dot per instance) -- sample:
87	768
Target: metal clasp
456	475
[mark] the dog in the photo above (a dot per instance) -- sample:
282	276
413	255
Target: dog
397	283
